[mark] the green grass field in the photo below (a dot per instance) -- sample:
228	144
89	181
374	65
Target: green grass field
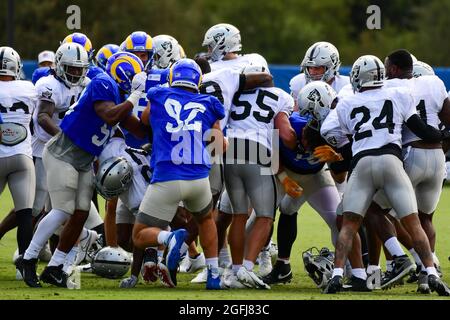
312	231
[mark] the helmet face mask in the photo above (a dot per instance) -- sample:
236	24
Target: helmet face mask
11	64
321	54
221	39
319	265
71	63
114	176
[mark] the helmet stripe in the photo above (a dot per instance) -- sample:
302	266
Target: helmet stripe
311	56
109	169
378	69
2	53
129	43
148	43
78	53
107	52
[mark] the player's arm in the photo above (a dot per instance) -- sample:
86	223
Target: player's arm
287	133
110	223
44	117
424	131
216	140
444	115
255	80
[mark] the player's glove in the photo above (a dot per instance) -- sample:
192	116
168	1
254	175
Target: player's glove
290	186
138	83
326	153
129	282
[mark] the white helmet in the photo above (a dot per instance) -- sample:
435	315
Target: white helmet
222	39
166	51
71	55
252	68
413	57
367	71
114	176
422	69
315	99
319	266
10	63
110	262
321	54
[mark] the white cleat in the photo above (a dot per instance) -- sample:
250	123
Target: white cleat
251	280
232	282
265	263
202	277
191	265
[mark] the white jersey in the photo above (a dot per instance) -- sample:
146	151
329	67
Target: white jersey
240	62
332	132
140	161
299	81
253	112
375	117
17	103
429	93
222	84
51	89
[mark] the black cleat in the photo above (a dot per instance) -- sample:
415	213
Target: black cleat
436	284
423	286
55	275
281	273
334	285
356	284
414	276
28	270
402	266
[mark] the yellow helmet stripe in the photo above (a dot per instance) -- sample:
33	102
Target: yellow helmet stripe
106	52
149	43
129	43
88	45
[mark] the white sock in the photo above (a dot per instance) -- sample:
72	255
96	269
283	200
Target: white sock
235	268
163	237
372	268
248	265
338	272
58	258
394	248
432	270
359	273
435	259
389	265
48	225
184	248
213	262
416	257
70	258
224	257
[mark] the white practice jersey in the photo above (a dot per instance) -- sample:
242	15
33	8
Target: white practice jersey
375	117
55	91
17	102
332	132
222	84
140	161
253	112
240	62
299	81
429	93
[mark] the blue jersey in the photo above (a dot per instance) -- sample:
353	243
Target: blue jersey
40	73
82	124
93	71
300	163
155	77
179	120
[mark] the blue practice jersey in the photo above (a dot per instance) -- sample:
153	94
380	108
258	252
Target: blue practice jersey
155	77
93	71
300	163
82	124
179	120
40	73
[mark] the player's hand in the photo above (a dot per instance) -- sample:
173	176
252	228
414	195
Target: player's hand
138	83
326	153
290	186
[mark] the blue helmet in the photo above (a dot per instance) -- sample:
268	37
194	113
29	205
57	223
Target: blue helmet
139	41
83	40
104	53
185	73
122	67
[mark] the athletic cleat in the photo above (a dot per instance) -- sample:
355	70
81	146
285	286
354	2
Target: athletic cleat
273	250
265	263
55	275
85	268
232	282
28	271
281	273
167	277
401	267
414	276
214	283
436	284
191	265
334	285
174	243
423	286
356	284
129	283
150	265
201	277
250	279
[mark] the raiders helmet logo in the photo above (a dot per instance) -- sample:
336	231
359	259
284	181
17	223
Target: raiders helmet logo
218	37
355	72
167	46
314	96
334	58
